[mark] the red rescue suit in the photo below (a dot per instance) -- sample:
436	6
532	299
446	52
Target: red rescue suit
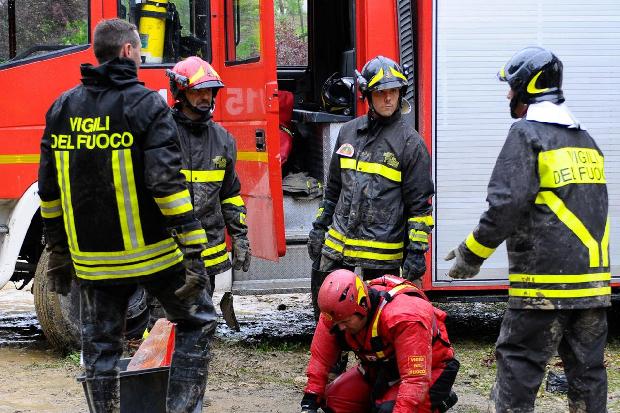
404	351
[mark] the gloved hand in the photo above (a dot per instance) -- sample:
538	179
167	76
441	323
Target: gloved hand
241	254
195	277
310	403
414	266
461	269
60	271
316	238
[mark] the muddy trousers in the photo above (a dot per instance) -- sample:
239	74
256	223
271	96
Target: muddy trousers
103	309
529	338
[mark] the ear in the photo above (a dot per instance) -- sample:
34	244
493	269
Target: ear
126	50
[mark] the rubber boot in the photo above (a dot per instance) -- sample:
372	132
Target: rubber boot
186	384
228	311
104	394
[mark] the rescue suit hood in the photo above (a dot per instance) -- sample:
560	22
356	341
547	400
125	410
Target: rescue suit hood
118	72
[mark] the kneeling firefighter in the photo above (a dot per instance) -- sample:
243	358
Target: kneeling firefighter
407	363
209	157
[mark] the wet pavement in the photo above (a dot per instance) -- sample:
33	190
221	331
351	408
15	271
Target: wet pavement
18	320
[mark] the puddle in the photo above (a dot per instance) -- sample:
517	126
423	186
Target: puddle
18	321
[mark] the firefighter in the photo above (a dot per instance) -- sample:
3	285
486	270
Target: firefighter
118	214
407	363
548	199
376	211
209	157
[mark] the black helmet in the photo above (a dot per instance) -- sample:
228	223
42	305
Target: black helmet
535	75
336	94
381	73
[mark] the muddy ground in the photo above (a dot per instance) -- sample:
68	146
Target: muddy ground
260	369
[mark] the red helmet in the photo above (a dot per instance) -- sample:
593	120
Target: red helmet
193	73
343	294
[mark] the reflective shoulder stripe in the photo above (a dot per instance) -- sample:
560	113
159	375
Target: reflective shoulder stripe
235	200
477	248
541	293
427	220
572	222
216	175
559	278
51	209
571	165
175	204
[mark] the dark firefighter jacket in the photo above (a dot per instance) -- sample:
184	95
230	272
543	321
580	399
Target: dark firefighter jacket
111	171
378	190
209	157
548	199
405	343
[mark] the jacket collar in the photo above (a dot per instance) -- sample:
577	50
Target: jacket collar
118	72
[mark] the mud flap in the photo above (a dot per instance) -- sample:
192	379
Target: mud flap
228	311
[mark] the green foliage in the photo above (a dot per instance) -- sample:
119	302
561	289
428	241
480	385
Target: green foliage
249	30
77	33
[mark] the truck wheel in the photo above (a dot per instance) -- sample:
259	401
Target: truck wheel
59	315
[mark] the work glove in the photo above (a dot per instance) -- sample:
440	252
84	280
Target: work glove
316	238
310	403
241	254
195	277
60	271
414	266
461	269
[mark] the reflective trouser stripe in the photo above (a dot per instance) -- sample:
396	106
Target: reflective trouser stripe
542	293
371	168
235	200
127	199
51	209
572	222
64	183
477	248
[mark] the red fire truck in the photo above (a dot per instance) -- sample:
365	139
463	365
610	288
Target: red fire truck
453	49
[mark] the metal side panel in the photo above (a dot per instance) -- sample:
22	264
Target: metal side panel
474	38
290	275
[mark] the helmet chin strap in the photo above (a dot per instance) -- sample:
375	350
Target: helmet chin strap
205	114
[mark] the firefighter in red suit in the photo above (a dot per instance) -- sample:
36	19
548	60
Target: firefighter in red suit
406	361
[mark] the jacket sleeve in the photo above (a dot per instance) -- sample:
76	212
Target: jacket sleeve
49	191
418	188
324	352
162	171
233	207
327	207
513	187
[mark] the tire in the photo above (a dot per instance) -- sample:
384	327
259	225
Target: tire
59	315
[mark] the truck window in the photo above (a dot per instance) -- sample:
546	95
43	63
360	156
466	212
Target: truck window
291	32
38	28
242	31
170	30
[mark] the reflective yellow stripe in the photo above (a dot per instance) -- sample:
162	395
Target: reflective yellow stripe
64	183
319	212
365	243
371	168
572	222
235	200
19	158
214	249
396	73
531	87
127	199
375	323
128	271
373	255
376	78
537	293
559	278
427	220
418	236
571	165
124	257
605	244
215	261
51	209
477	248
333	245
216	175
242	218
196	76
194	237
252	156
175	204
